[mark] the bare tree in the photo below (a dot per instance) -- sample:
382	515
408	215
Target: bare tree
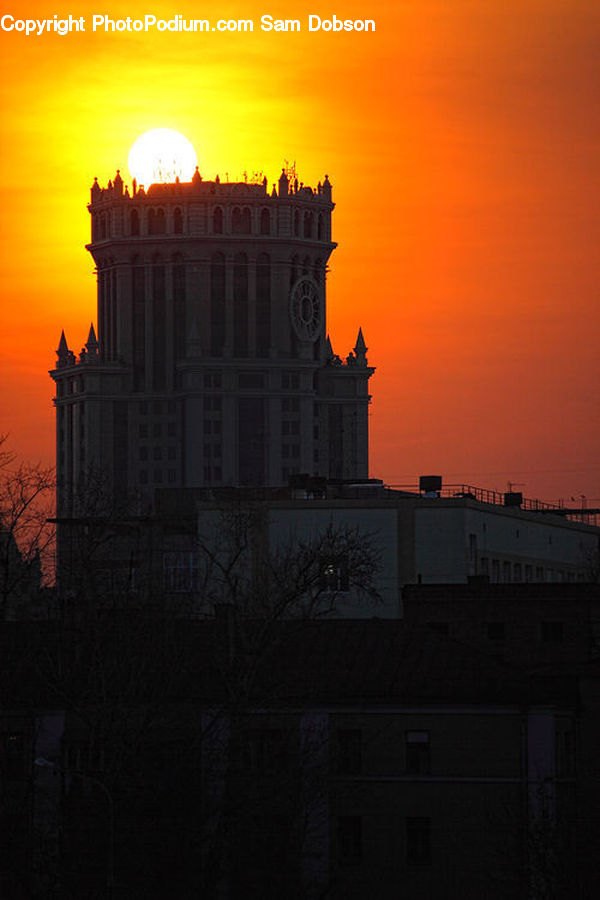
26	534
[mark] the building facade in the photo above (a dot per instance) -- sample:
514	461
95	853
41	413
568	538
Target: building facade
212	364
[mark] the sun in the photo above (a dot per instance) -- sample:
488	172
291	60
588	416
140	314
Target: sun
162	155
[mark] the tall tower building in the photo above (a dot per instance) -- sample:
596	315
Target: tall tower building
212	365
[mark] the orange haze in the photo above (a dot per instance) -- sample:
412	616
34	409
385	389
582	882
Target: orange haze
461	140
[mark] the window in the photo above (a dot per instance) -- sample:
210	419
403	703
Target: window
320	229
212	380
178	221
418	756
180	571
495	570
251	380
13	755
496	631
265	221
565	748
156	221
473	549
218	221
506	572
349	839
266	751
241	220
334	575
539	573
552	632
349	751
528	576
418	840
290	380
518	572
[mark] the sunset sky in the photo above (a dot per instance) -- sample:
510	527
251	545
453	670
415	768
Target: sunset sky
461	139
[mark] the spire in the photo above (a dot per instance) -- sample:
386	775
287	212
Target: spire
118	183
283	184
196	177
92	343
63	347
65	356
95	189
360	348
328	349
327	188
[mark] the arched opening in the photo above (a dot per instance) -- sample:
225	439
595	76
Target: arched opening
178	275
240	305
218	221
263	305
135	222
308	224
217	304
296	224
265	221
320	228
156	221
246	221
178	221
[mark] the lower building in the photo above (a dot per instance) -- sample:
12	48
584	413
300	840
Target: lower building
343	758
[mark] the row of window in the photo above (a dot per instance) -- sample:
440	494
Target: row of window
549	632
158	453
417	841
503	571
157	429
180	568
237	221
158	476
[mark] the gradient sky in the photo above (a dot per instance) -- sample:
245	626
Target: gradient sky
462	143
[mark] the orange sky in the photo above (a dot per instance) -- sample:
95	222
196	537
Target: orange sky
462	143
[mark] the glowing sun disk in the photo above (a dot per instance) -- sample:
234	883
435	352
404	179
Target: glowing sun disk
162	155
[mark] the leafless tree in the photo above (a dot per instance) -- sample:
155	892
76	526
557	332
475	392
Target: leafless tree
26	534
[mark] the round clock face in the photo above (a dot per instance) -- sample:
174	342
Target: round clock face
305	308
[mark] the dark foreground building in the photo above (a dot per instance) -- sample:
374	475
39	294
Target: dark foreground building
247	759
